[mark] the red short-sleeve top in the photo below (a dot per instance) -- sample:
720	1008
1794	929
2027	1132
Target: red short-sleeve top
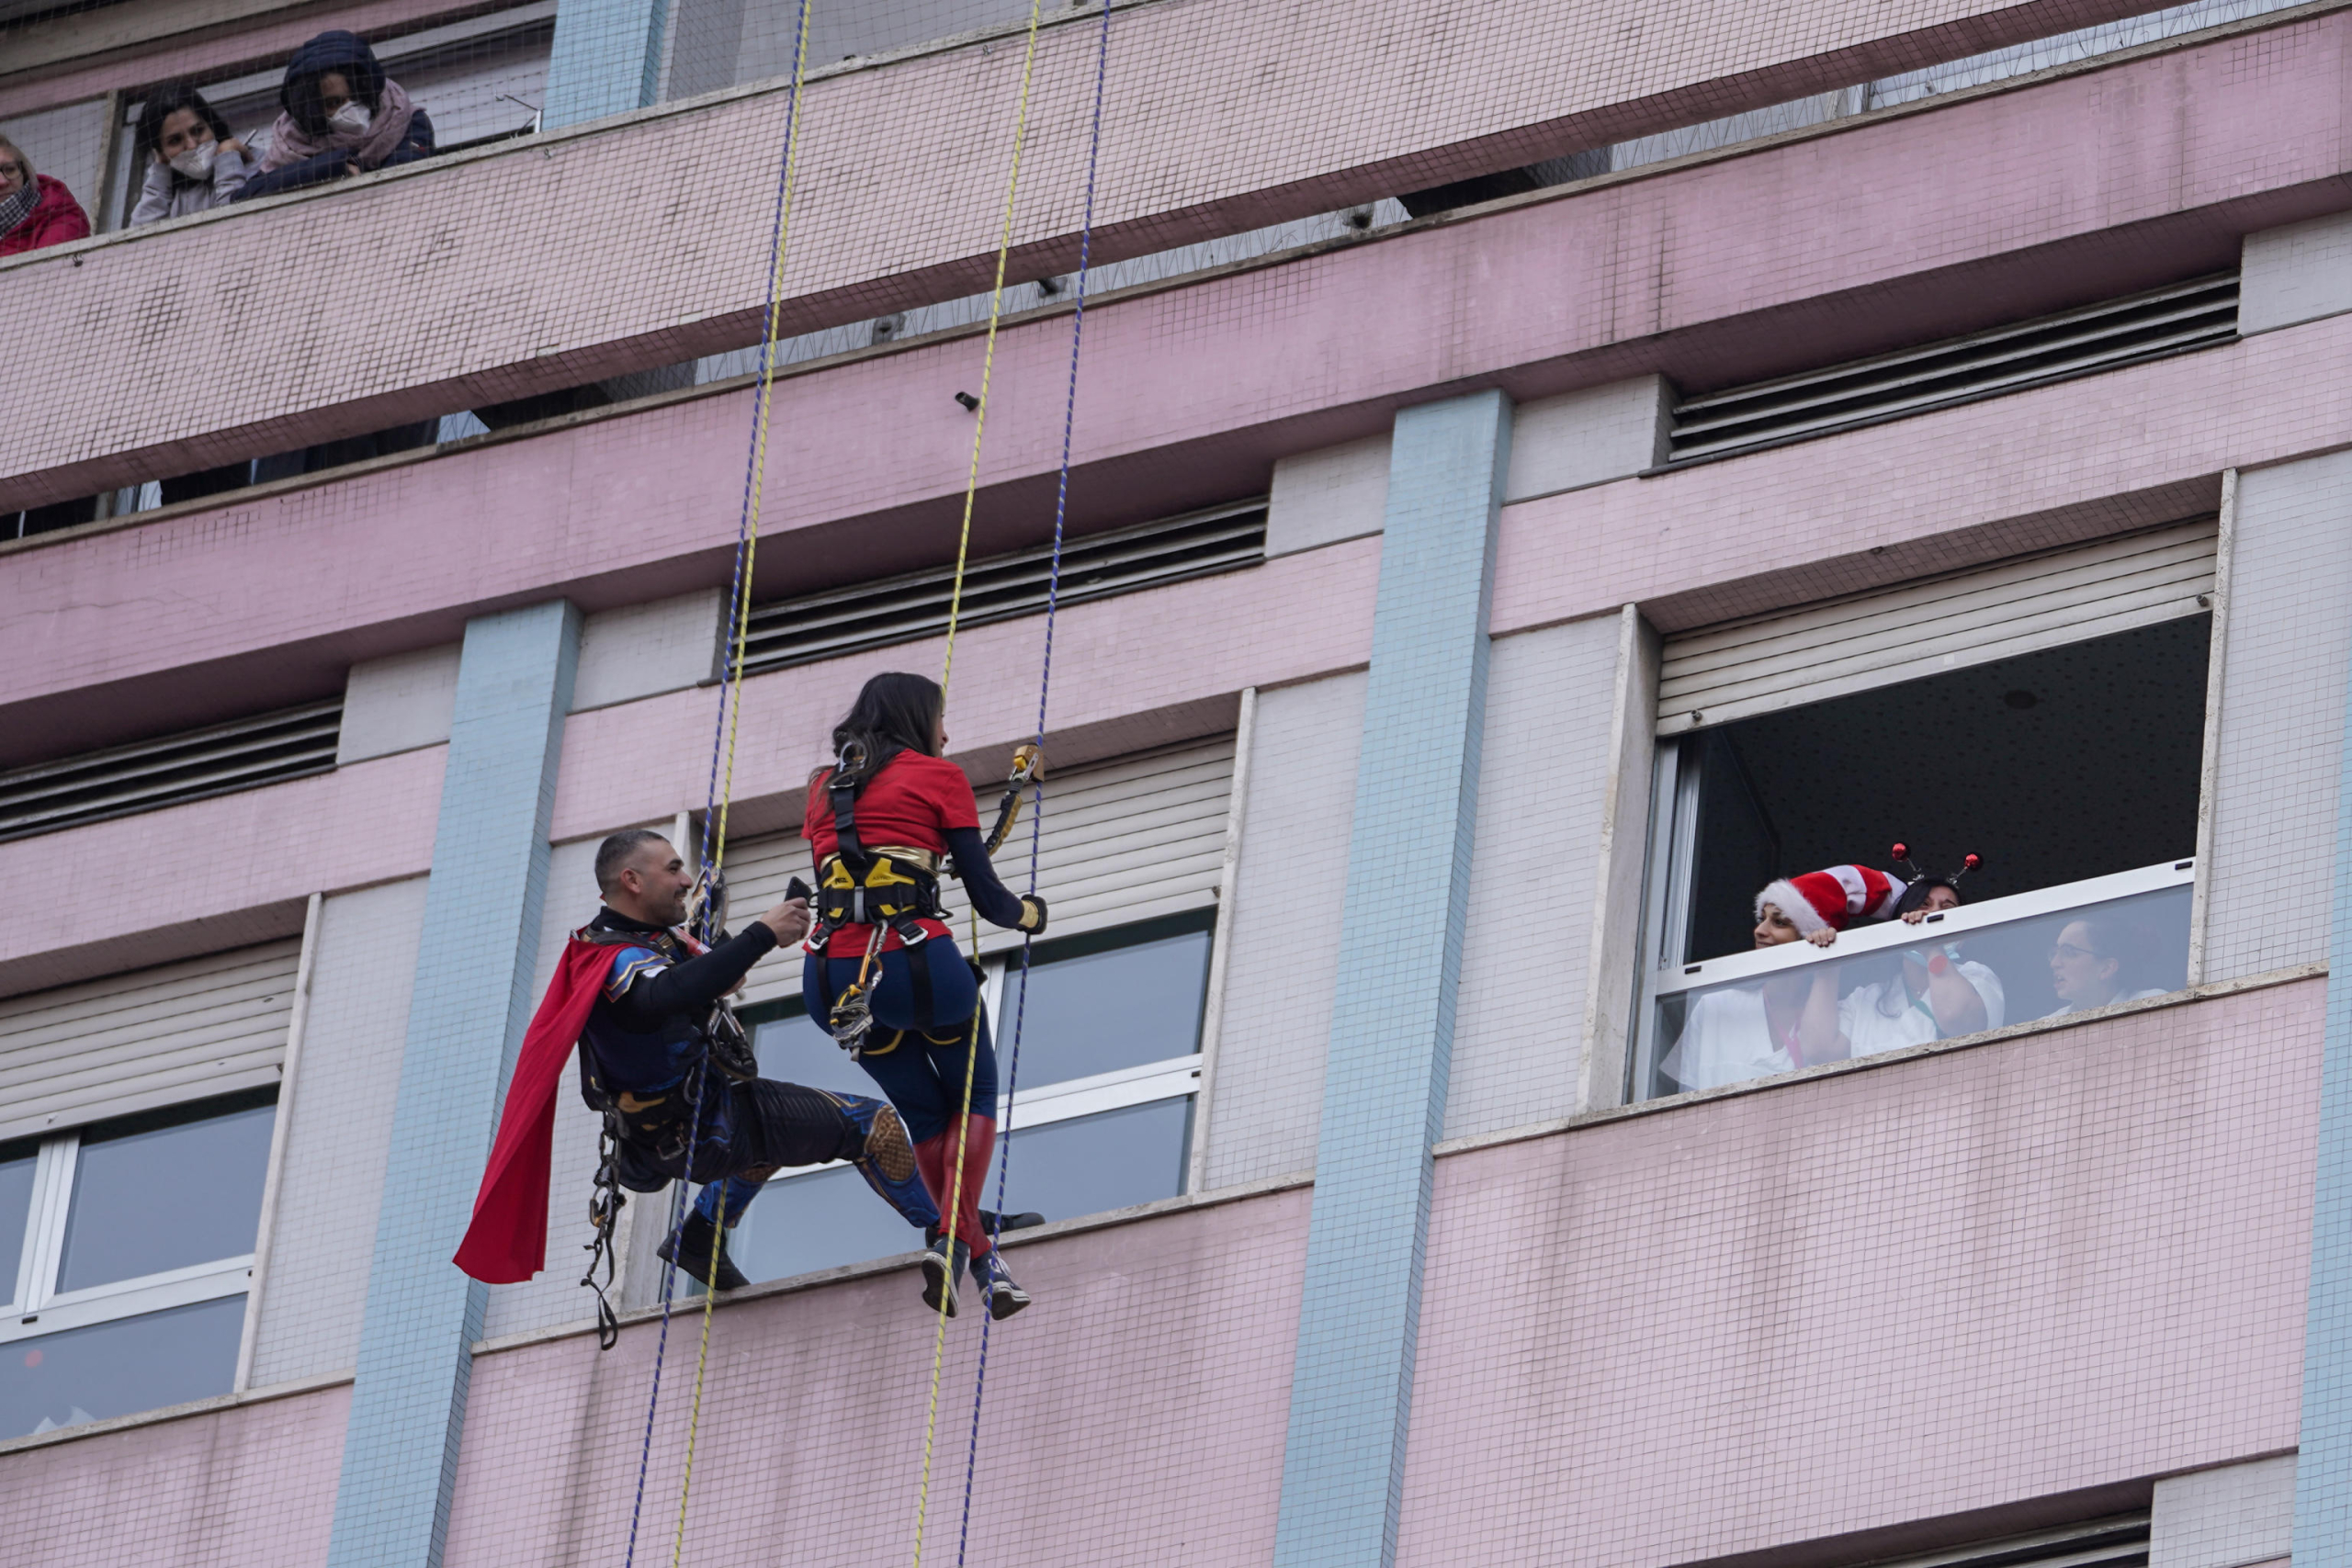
914	800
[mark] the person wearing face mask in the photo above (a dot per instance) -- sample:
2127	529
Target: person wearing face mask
193	164
343	117
36	211
1789	1020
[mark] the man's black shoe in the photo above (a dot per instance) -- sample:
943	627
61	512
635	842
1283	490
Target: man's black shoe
696	1241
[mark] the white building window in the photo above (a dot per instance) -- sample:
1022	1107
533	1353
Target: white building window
127	1247
1101	1116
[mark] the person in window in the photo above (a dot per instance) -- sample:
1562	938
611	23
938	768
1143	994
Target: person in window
2095	962
642	1004
881	821
36	211
193	164
341	116
1933	993
1790	1019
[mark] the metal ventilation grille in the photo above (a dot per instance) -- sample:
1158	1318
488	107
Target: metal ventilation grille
1984	365
2118	1541
901	609
148	775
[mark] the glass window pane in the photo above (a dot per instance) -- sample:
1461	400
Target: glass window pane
797	1051
1105	1010
1080	1167
818	1221
157	1198
115	1368
1089	1164
2039	967
16	1205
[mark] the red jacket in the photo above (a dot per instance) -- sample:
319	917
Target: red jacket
55	220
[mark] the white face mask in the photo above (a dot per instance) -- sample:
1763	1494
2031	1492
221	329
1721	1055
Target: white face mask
196	161
350	118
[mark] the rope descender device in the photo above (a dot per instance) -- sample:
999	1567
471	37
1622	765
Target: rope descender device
1028	767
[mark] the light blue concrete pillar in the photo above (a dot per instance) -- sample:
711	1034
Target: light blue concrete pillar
1392	1018
466	1013
2324	1468
606	59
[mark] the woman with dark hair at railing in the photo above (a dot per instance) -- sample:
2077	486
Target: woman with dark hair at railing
1932	993
2096	961
193	163
343	115
36	211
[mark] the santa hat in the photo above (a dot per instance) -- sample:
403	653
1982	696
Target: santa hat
1832	899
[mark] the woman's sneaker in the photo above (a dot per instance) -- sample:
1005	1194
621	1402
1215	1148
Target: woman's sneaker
939	1271
997	1287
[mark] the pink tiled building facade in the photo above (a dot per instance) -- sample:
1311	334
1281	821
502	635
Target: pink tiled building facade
1478	504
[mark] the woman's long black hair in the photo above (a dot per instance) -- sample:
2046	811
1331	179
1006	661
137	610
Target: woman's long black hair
895	712
164	102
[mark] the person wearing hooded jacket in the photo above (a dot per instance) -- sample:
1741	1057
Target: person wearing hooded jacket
341	116
36	211
193	163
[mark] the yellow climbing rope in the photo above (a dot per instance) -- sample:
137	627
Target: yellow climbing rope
702	1361
951	1202
756	482
758	477
988	356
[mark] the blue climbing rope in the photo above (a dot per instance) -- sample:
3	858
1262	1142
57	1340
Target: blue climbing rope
714	822
1037	788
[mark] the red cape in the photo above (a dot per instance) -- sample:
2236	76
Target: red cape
507	1242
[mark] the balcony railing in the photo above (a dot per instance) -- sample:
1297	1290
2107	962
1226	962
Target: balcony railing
2048	953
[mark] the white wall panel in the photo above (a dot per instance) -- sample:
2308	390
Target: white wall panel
2282	720
1285	952
1543	785
340	1132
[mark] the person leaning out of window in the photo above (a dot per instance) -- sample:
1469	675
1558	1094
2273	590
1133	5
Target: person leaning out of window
1934	993
36	211
193	164
1788	1019
2094	962
341	117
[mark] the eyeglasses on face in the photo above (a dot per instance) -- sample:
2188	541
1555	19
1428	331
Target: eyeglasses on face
13	171
2070	952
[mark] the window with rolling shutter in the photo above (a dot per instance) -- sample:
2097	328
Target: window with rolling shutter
1722	674
131	1042
1125	840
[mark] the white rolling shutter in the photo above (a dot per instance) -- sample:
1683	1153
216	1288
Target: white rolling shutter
104	1048
1876	639
1124	841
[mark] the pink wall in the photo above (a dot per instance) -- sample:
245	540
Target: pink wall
2038	1264
251	1487
216	874
1220	115
1188	394
1135	1414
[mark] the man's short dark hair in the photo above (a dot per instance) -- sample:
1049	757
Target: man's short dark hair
615	853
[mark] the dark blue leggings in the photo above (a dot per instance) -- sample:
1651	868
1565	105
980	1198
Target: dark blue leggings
924	1072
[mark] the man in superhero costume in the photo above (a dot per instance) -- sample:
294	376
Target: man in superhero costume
664	1063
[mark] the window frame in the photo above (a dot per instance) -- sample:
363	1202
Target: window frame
1660	979
38	1308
